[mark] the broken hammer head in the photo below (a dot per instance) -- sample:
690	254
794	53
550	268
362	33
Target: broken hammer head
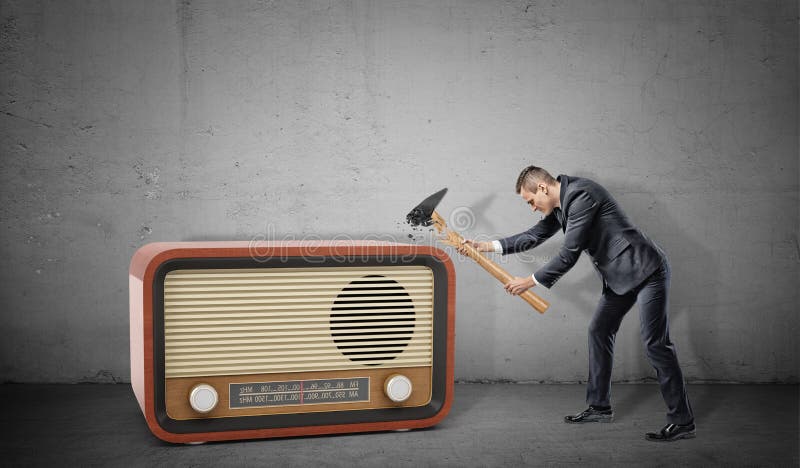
421	214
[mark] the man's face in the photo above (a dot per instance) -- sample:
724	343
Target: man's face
539	198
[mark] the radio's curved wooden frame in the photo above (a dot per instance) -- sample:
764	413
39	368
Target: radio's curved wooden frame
142	270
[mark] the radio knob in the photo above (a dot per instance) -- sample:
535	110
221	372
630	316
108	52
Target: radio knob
397	388
203	398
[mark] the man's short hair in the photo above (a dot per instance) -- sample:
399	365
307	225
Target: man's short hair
532	175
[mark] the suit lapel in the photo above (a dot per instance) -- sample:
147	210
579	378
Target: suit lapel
560	217
560	211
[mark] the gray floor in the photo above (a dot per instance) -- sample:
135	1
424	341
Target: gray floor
490	425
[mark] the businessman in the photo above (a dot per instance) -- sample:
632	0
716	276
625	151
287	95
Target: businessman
633	268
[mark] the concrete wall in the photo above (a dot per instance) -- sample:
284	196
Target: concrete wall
124	123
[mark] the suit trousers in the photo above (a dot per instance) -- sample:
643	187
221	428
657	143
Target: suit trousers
652	296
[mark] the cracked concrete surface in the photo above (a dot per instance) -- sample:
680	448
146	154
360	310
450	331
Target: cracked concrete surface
123	123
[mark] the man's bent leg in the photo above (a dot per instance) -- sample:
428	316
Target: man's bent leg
653	301
602	332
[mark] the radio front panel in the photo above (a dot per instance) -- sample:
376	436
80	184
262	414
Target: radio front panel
248	327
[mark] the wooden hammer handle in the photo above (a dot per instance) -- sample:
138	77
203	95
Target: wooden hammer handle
455	239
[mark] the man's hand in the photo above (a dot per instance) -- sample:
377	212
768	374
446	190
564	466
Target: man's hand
480	246
519	285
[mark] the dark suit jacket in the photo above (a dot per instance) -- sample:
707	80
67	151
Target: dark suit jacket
592	221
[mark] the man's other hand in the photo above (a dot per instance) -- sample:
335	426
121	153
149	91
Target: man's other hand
519	285
479	246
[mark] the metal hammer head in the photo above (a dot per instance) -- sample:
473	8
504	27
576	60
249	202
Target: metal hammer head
421	214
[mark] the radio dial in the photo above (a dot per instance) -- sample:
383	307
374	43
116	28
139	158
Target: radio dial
398	388
203	398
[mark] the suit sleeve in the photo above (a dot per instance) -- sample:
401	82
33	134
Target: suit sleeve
582	211
534	236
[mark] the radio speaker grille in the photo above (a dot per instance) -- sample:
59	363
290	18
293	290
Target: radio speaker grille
349	314
254	321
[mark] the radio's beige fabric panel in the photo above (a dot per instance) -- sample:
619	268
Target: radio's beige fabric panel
254	321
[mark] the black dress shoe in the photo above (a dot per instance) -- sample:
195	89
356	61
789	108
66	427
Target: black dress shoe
672	432
591	415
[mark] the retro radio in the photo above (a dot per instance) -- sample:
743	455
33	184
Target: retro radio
235	340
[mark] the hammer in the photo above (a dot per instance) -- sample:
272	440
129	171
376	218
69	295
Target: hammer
425	214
